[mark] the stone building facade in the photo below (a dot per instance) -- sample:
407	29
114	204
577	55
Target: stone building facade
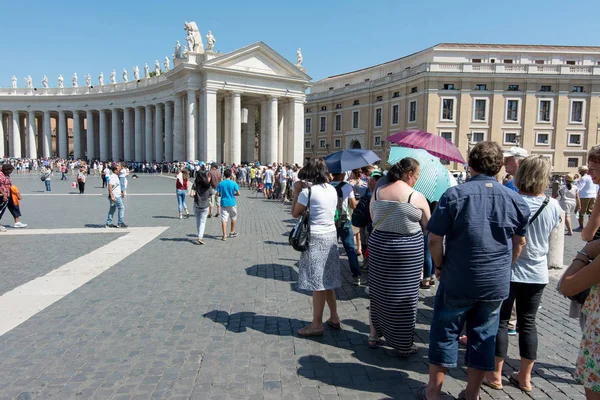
544	98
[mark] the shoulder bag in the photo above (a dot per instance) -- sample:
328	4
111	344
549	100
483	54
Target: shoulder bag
300	235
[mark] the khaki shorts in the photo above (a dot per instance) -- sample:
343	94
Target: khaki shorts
228	212
214	199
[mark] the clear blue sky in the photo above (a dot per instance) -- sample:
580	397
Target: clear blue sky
62	37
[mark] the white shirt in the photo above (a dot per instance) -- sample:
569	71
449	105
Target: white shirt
347	191
323	201
115	184
268	176
587	188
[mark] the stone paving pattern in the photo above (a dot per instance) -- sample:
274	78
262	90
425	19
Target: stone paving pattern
180	321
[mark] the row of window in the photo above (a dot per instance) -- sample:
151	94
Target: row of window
514	88
337	143
511	61
480	113
510	138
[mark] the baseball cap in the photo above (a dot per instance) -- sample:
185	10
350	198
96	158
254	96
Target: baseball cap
376	174
516	152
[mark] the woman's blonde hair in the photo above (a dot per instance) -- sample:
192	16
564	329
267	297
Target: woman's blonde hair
533	175
185	173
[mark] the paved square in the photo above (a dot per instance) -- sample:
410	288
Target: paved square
170	319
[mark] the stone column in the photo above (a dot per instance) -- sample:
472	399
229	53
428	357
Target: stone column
297	134
236	128
158	133
280	132
271	145
63	138
178	139
103	136
2	137
77	152
227	129
31	145
190	153
219	156
89	132
16	135
148	134
115	134
168	131
251	134
200	141
139	153
127	153
209	114
264	125
289	136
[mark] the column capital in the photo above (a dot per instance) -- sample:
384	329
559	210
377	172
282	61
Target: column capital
236	94
272	97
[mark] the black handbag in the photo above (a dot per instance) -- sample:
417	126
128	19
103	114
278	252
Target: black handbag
300	234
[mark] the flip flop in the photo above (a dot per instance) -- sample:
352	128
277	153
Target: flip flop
515	381
491	385
308	331
332	324
373	342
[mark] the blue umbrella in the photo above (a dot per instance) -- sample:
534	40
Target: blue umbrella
434	178
347	160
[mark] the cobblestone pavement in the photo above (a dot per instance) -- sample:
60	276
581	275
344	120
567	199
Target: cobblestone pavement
181	321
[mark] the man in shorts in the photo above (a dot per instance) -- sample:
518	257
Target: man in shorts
228	189
268	178
215	178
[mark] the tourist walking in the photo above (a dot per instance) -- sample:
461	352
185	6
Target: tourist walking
81	177
581	275
115	200
5	189
214	177
484	226
14	208
319	266
588	191
529	274
568	198
201	192
181	185
228	189
63	170
46	178
268	178
400	215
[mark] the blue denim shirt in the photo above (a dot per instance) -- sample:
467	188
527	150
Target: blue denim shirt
478	219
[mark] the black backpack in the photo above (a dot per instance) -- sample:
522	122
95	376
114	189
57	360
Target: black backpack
361	216
341	216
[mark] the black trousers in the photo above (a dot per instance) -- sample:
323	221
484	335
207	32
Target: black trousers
81	186
528	297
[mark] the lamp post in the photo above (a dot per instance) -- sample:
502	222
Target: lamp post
469	145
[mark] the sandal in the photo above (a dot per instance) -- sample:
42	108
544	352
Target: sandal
491	385
413	350
332	324
463	395
432	282
515	381
200	241
425	286
310	331
373	342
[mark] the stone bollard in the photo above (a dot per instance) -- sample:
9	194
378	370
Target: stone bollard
556	248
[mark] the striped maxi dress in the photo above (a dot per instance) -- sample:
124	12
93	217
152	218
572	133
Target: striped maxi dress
395	267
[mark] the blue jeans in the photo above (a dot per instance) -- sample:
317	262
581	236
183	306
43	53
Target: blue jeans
346	235
122	182
181	205
427	262
48	189
115	205
450	314
201	215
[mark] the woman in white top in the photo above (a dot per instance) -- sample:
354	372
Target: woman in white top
568	198
319	266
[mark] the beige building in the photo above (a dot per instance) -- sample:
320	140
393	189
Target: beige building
545	98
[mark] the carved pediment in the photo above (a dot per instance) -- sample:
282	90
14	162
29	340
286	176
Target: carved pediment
257	58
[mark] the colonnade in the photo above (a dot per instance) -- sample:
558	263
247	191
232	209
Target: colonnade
206	124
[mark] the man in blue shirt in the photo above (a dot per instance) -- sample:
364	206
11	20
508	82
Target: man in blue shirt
228	189
484	225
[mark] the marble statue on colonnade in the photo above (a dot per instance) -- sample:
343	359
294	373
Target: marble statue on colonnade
29	82
136	73
125	75
113	77
167	64
210	41
88	80
45	82
61	81
177	53
194	39
14	82
185	50
146	71
299	60
101	79
74	80
156	68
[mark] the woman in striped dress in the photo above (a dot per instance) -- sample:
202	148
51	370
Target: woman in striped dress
400	215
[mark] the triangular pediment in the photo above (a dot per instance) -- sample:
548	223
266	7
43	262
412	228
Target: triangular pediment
259	59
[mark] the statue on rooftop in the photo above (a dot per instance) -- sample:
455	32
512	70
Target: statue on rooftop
167	64
210	41
101	79
88	80
61	81
125	75
156	68
193	38
146	71
14	82
177	53
45	82
29	82
74	80
136	73
113	77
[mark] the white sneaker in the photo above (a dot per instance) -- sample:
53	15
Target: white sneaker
19	225
2	229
